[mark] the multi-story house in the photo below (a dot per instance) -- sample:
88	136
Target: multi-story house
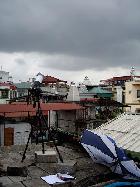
5	77
125	90
7	92
22	88
16	120
54	88
117	86
132	95
7	89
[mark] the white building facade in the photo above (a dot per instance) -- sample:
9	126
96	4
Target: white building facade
14	133
5	77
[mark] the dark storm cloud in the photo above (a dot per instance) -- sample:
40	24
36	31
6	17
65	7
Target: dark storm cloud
94	34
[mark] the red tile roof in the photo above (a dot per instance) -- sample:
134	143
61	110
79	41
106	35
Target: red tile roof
122	78
23	110
11	86
48	79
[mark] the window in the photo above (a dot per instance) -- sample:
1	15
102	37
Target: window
137	110
4	94
138	93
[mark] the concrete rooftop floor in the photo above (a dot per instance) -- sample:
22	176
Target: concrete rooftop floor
11	156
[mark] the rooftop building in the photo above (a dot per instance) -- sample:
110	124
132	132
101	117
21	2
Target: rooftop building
73	94
87	82
125	130
5	77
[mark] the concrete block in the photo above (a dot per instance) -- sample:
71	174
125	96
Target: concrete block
67	167
49	156
66	184
17	171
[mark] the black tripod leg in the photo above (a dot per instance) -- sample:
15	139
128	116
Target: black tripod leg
60	157
43	150
23	157
41	131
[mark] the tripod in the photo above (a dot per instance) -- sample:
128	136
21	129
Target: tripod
35	94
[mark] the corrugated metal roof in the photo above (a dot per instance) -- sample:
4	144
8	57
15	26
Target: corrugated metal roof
15	110
23	85
22	114
125	130
99	90
4	84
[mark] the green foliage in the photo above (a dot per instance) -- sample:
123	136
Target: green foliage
133	155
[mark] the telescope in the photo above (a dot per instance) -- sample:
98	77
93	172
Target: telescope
34	94
38	81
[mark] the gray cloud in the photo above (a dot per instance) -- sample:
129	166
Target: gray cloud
20	61
90	34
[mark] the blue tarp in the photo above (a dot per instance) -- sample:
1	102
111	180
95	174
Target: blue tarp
119	184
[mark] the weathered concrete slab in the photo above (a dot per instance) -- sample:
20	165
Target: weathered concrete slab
49	168
67	167
35	172
50	156
85	168
17	179
14	185
5	180
14	159
53	168
66	184
35	183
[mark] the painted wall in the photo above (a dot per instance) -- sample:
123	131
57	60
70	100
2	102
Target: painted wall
52	119
55	88
66	120
21	132
4	101
131	95
119	93
1	134
4	76
73	94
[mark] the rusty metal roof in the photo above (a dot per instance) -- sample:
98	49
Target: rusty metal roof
11	86
23	110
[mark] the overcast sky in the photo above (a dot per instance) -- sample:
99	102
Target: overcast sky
70	39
